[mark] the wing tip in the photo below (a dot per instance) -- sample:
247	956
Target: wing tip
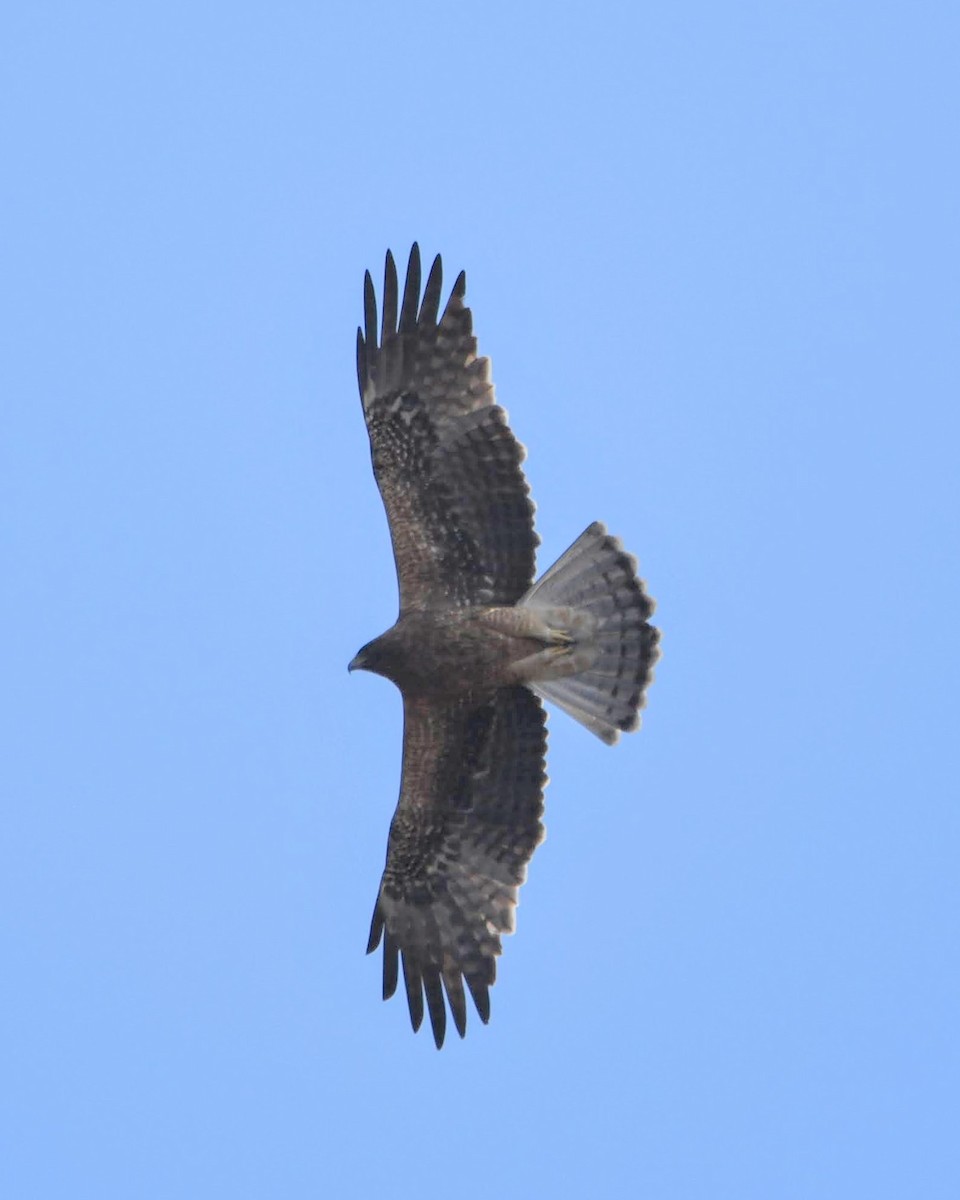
453	983
411	291
430	305
435	1005
413	984
480	991
369	310
376	929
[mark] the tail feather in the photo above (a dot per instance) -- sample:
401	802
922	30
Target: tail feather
596	576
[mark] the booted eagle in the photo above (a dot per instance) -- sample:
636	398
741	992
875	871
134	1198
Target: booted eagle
476	647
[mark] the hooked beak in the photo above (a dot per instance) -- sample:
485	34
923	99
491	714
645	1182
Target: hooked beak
357	663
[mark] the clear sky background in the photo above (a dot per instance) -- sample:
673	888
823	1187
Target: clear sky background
712	251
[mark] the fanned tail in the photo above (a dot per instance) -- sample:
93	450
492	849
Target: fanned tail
598	578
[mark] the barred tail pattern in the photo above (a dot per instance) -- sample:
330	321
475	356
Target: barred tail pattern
597	577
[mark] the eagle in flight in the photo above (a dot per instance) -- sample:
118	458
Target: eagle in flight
477	645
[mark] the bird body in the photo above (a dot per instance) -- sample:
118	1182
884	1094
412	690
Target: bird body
476	646
475	649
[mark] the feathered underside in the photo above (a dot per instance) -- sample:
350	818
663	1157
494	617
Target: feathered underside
446	462
467	824
461	520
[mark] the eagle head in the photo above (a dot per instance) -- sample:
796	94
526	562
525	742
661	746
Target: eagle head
382	656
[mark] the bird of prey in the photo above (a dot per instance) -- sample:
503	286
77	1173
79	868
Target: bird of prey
476	646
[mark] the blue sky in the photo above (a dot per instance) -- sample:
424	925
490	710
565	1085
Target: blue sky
712	251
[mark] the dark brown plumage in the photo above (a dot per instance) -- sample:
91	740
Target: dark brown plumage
475	644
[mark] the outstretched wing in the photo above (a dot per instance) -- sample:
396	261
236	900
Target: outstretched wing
444	457
466	825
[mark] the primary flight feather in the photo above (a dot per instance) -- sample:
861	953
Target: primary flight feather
476	644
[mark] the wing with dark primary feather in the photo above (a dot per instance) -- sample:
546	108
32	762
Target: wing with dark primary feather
446	462
466	826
